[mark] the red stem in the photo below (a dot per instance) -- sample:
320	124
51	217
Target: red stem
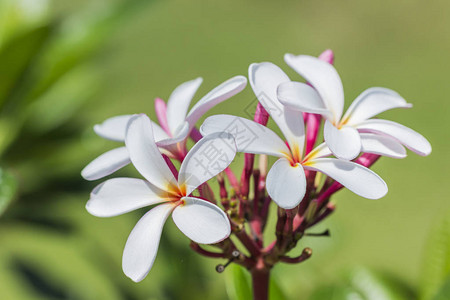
200	250
171	166
260	283
251	246
232	178
307	252
196	135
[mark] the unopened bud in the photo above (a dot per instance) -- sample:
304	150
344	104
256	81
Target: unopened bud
220	268
307	252
327	56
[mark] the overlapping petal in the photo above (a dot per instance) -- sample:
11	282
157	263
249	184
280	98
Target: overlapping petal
142	244
209	156
106	164
345	142
408	137
264	79
250	136
158	132
201	221
144	153
358	179
302	97
219	94
180	135
178	103
286	183
320	151
382	145
371	102
324	78
113	128
121	195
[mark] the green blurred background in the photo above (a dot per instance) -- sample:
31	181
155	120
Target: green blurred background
67	65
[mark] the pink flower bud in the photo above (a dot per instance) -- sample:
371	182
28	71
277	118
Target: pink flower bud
261	115
160	108
327	56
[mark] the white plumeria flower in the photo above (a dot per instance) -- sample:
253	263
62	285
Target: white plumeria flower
180	124
343	134
201	221
286	182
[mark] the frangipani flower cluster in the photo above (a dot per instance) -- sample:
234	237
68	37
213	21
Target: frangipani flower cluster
292	182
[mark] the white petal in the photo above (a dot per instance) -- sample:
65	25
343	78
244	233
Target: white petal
201	221
106	164
159	133
120	195
180	135
250	136
382	145
144	153
265	78
142	244
358	179
408	137
371	102
113	128
345	142
219	94
286	184
178	103
209	156
320	151
302	97
323	77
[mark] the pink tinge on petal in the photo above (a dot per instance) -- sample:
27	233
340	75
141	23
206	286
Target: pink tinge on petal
261	115
327	56
161	108
312	130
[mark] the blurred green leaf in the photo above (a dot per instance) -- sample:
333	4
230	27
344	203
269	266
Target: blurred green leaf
17	56
275	291
335	293
79	38
238	283
8	189
61	102
444	292
18	15
373	286
38	264
436	266
365	284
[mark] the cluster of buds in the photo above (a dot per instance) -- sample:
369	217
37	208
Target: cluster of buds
301	182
